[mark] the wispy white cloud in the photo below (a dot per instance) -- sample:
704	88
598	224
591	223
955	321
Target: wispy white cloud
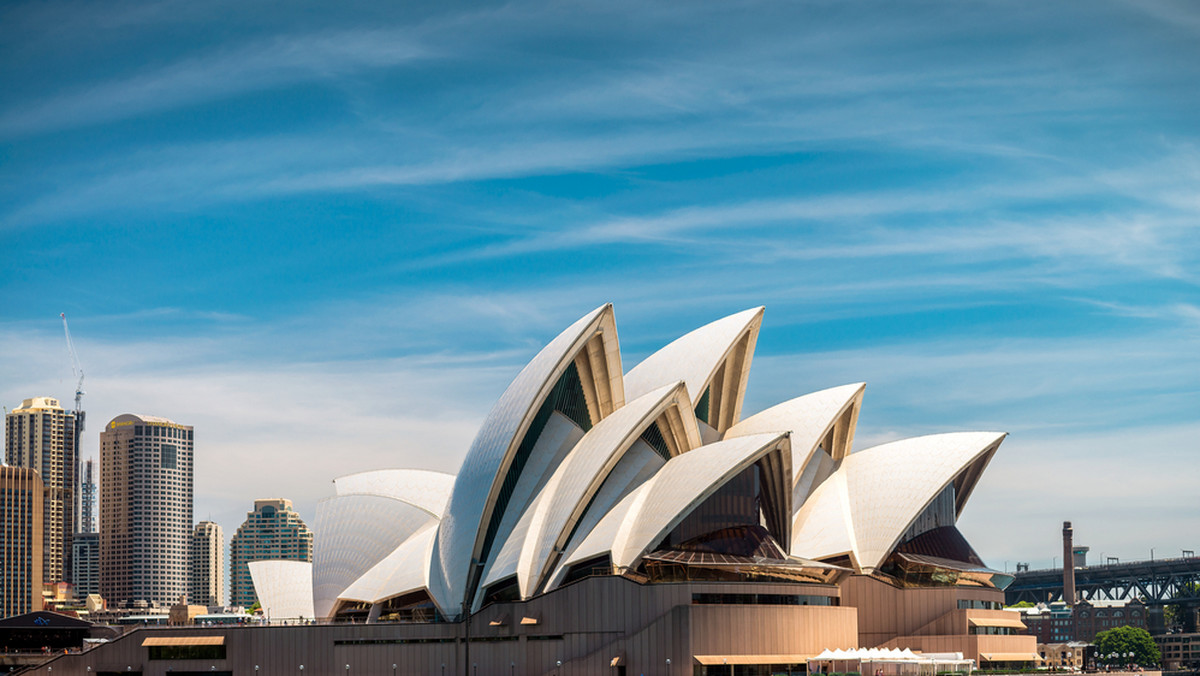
270	63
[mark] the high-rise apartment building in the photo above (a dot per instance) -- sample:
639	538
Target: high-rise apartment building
272	531
87	498
145	509
85	564
85	546
206	581
40	435
21	533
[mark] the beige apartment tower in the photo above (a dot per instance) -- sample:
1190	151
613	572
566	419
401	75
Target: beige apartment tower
40	434
145	509
206	582
272	531
21	492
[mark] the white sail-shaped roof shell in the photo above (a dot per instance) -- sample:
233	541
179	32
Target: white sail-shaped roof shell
546	486
591	344
648	514
403	571
866	506
726	346
284	588
557	440
811	419
371	514
352	533
581	474
421	488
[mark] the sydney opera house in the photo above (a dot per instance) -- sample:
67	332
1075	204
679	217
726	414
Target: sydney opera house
618	522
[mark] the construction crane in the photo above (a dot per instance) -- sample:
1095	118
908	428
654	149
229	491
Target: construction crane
77	372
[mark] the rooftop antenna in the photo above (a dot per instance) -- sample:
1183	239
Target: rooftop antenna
77	372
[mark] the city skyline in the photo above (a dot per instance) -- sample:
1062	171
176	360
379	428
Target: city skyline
329	242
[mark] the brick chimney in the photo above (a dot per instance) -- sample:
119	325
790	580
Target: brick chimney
1068	566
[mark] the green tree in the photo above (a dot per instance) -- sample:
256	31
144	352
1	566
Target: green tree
1122	640
1022	604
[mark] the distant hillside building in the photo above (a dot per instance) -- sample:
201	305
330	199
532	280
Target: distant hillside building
272	531
40	435
145	509
206	582
21	532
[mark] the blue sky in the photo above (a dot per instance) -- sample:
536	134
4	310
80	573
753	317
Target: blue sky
329	237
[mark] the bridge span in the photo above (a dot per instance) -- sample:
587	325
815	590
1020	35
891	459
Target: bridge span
1155	582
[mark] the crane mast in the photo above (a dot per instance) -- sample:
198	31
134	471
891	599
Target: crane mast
76	372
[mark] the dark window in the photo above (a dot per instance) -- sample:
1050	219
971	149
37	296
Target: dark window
702	405
187	652
168	457
763	600
654	439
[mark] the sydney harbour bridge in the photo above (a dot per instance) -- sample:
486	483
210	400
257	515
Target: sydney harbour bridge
1154	582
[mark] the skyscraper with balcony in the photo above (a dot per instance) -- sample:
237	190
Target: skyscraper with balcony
40	435
145	509
272	531
21	535
206	581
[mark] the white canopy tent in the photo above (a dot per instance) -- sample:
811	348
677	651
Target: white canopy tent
887	662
